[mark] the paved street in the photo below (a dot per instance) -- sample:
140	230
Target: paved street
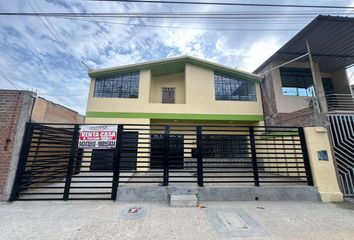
102	220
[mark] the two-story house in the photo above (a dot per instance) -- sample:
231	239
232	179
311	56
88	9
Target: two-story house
305	83
180	90
184	91
306	79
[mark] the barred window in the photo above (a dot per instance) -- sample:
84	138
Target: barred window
234	89
168	95
117	86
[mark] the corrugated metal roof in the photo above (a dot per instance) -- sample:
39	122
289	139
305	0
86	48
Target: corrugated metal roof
331	41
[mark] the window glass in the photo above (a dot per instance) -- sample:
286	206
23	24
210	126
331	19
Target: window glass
117	86
234	89
297	82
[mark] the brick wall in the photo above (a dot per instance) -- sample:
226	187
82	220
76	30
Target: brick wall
16	109
11	103
303	117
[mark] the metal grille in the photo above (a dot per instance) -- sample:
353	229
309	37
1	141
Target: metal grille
53	167
342	131
340	103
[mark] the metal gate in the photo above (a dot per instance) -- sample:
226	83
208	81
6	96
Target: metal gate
52	167
342	131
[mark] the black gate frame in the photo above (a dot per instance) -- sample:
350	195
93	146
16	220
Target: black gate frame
252	132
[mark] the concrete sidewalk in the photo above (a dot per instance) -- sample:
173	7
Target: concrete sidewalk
100	220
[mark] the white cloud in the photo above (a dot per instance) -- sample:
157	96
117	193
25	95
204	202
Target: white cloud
259	52
31	57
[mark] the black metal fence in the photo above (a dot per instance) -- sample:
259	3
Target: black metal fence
52	167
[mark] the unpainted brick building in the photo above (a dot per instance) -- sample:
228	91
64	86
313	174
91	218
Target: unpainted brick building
16	109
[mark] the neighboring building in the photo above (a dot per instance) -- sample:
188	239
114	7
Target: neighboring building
179	90
288	90
16	109
298	94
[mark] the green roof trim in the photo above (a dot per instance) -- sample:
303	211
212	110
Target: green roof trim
174	65
176	116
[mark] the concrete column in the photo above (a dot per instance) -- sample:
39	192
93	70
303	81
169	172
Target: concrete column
23	117
323	171
145	86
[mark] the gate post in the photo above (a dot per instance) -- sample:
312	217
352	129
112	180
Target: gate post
166	156
116	162
70	167
21	165
254	156
200	172
305	156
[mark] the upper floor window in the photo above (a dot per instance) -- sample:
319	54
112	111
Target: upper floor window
234	89
168	95
296	82
117	86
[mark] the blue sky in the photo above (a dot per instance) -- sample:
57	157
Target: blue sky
32	58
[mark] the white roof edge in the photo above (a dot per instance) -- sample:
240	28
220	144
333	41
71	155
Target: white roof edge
171	59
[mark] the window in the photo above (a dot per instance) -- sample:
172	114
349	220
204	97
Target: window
296	82
117	86
234	89
168	95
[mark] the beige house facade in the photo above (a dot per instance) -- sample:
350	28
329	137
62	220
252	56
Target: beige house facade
179	90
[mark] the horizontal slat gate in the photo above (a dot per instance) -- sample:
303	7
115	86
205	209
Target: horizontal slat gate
53	167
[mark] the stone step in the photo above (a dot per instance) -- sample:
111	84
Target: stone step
182	190
183	200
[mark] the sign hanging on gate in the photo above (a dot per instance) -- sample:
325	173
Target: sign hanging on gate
98	136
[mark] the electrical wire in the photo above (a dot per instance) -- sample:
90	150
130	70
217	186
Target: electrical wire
54	33
3	75
179	27
227	4
201	15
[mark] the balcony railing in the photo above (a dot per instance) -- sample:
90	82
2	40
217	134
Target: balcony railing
340	103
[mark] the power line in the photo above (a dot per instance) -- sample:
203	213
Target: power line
61	43
179	27
222	13
228	4
56	35
175	17
170	14
3	75
56	32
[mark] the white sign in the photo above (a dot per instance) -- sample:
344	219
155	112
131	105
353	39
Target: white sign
98	136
